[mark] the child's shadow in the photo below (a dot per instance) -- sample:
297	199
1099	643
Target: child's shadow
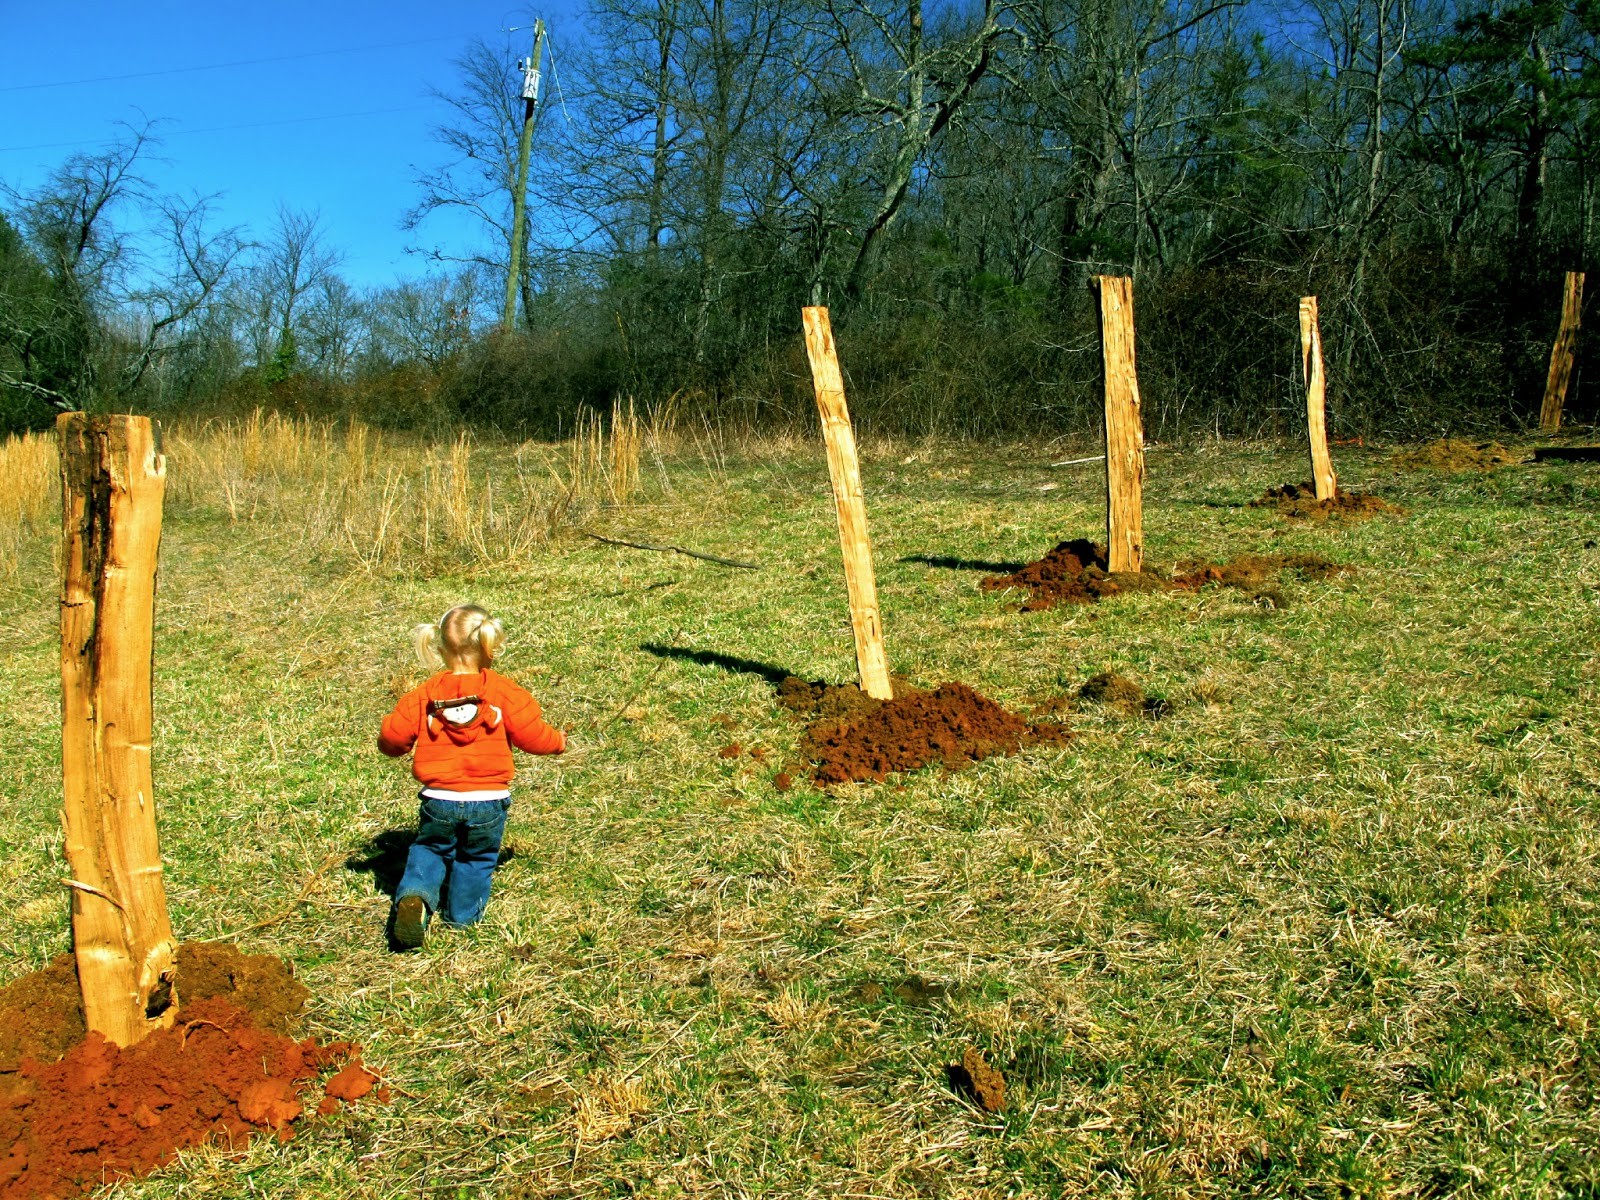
384	857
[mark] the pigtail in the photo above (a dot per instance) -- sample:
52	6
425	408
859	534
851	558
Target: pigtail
491	636
426	640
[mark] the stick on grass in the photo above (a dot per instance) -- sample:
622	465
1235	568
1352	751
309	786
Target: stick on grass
716	558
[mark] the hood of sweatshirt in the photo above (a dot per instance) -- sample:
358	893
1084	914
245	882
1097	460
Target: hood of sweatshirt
485	721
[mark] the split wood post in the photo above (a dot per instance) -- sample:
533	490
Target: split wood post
871	662
1124	430
1322	476
1555	387
112	482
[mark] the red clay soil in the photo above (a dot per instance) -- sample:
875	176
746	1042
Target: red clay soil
1299	500
76	1114
951	725
1249	572
809	698
41	1015
1074	573
974	1076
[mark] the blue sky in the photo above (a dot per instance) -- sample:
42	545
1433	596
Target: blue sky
337	125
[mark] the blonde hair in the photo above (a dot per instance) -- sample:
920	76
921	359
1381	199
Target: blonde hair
466	634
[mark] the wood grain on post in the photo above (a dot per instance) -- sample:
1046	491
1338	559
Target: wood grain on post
112	483
1561	354
845	472
1322	476
1124	429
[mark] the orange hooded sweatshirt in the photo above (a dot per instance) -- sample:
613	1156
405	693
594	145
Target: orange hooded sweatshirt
475	756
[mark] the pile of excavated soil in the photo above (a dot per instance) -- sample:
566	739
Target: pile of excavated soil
950	726
1250	571
1074	573
77	1110
41	1015
977	1079
813	698
1299	500
1455	454
258	983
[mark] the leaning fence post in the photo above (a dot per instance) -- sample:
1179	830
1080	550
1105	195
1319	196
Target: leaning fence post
872	663
1561	354
113	479
1322	476
1124	431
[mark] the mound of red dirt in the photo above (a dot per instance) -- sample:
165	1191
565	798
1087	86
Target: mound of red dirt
813	698
983	1083
1250	571
1073	573
951	725
258	983
76	1113
41	1014
1299	500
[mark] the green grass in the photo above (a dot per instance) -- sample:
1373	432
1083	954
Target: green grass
1327	929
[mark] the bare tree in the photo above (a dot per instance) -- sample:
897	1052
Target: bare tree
333	328
288	268
164	304
120	274
904	88
68	223
429	320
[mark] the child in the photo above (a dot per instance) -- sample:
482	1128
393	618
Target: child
463	722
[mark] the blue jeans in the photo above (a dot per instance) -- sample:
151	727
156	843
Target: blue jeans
457	846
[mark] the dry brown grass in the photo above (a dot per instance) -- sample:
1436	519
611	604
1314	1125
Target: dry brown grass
608	1109
344	489
390	501
30	493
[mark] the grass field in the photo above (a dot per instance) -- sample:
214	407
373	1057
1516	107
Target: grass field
1327	928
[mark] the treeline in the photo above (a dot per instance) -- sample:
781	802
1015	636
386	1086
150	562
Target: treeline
948	181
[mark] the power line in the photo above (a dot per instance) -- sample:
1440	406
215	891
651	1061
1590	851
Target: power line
244	62
375	112
556	76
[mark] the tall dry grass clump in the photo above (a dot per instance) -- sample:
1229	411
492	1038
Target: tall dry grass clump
30	493
390	500
603	459
346	488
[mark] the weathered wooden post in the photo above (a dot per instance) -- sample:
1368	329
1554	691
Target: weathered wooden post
1124	430
112	482
1322	476
845	472
1561	354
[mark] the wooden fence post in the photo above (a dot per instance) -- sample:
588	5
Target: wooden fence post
845	472
112	483
1322	476
1555	387
1124	431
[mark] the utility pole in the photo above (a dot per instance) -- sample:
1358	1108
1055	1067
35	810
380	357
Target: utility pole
519	198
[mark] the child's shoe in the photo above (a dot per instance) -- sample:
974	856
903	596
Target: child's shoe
410	922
